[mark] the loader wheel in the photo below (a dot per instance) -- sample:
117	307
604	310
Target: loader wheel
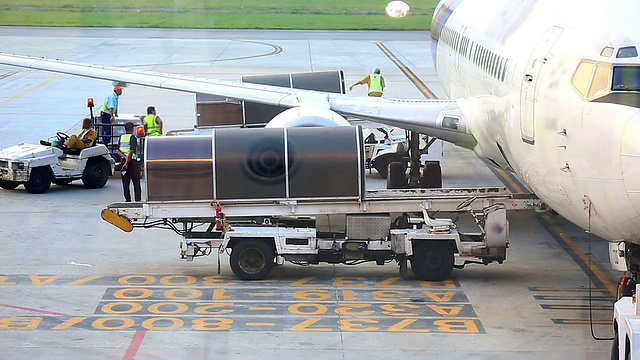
8	185
40	180
432	261
96	174
251	259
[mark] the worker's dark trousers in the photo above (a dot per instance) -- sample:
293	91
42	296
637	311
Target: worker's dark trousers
105	118
132	174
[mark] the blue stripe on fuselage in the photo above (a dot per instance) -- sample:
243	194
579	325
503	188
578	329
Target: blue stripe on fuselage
439	20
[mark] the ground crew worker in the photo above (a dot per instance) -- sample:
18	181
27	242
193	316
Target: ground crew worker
374	81
84	139
127	149
108	112
152	122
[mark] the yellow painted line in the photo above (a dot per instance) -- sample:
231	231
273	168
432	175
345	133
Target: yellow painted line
30	90
262	294
592	266
407	72
262	308
178	160
508	179
260	324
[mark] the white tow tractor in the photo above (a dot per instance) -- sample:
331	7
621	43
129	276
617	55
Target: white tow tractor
36	166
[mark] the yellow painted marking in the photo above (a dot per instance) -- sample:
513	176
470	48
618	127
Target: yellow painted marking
204	308
399	309
305	282
440	296
186	280
149	324
576	249
69	323
304	326
193	294
349	295
407	72
457	326
260	324
402	326
20	323
262	308
349	281
262	294
43	280
147	280
357	325
390	295
126	323
3	281
390	281
85	280
214	324
178	308
30	90
509	180
218	294
447	284
139	293
312	295
134	307
347	309
315	309
446	310
218	281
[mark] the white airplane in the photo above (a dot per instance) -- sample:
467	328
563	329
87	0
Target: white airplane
547	89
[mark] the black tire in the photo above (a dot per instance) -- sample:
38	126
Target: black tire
40	180
251	259
432	261
614	347
396	176
381	163
62	181
96	173
8	185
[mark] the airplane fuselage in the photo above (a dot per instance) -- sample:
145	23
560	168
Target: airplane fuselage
543	99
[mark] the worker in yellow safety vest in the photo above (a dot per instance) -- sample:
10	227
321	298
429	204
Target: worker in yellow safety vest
374	81
127	150
152	122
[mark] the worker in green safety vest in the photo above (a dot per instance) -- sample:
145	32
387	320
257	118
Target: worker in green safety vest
374	81
152	122
128	149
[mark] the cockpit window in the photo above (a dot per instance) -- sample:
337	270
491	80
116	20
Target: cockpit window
627	52
591	79
626	78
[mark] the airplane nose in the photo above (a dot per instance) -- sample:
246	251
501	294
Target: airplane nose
630	160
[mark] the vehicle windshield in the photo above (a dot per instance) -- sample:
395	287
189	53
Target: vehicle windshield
626	78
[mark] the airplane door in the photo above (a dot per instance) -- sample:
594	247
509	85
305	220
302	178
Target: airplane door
530	83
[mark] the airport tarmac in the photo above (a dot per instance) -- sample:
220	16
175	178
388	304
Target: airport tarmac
75	287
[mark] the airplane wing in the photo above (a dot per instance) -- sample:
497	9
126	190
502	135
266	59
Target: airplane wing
440	118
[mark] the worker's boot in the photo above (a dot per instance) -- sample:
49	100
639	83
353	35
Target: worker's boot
45	143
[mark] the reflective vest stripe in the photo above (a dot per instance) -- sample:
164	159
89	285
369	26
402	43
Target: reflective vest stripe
375	83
